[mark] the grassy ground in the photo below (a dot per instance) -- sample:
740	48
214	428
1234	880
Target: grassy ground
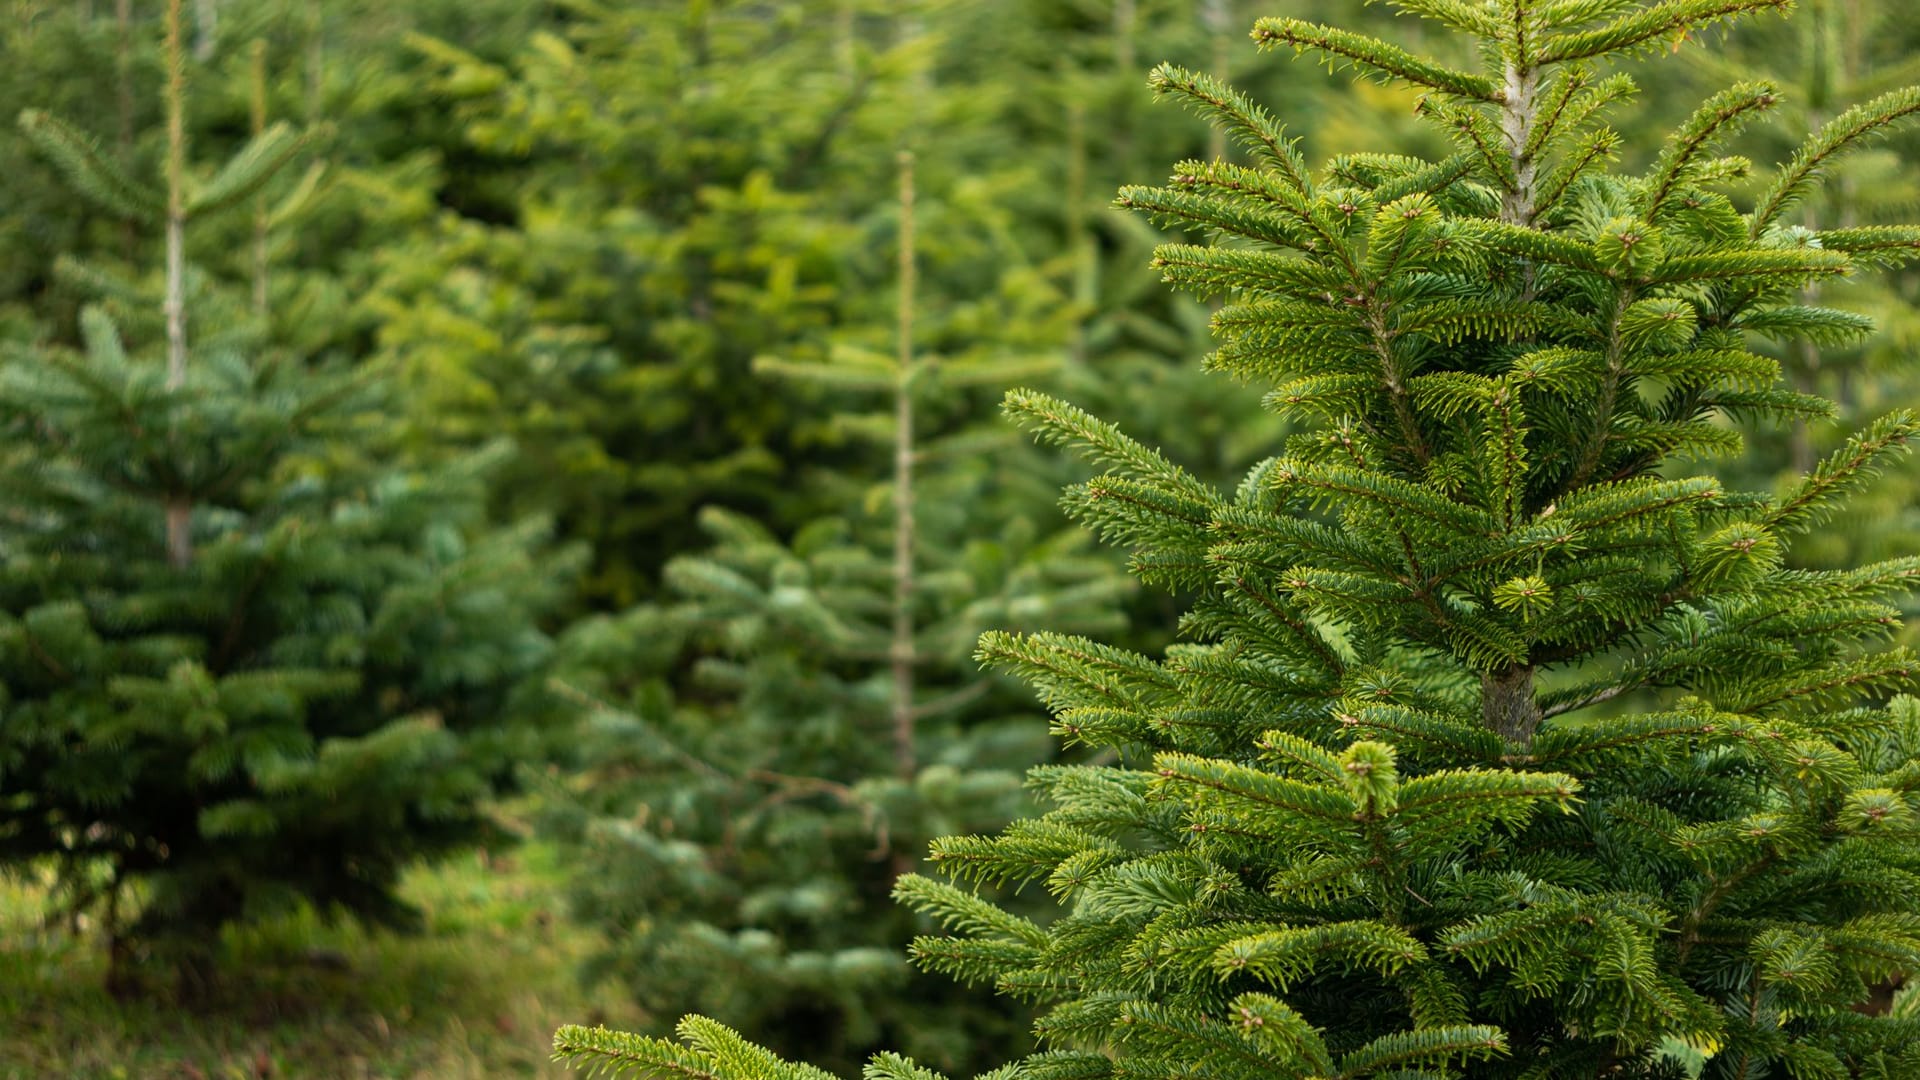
477	995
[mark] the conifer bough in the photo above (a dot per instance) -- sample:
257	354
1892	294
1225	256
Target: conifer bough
1498	748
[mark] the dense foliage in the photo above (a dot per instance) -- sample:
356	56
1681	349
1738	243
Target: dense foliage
1494	750
784	735
280	614
243	668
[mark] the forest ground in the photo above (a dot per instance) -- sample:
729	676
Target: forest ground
477	994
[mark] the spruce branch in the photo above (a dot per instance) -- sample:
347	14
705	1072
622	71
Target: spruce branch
1372	56
1550	112
1843	472
1843	133
1426	180
603	1052
1647	25
1478	135
253	168
955	909
1715	121
1461	15
1060	424
1797	263
1434	1047
1232	111
1875	245
80	160
1285	955
1595	149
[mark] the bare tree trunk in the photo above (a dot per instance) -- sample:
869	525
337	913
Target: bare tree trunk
1507	704
257	77
179	510
902	652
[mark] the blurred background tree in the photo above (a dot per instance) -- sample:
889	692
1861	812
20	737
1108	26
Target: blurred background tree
244	669
778	740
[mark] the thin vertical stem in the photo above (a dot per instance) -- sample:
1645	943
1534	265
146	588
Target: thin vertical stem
902	651
175	304
179	510
1507	701
257	102
1517	115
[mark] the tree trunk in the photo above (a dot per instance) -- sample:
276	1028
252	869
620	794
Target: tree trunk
179	508
1507	704
902	651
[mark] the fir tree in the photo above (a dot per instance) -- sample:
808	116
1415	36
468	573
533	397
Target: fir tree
738	826
240	672
1495	751
700	193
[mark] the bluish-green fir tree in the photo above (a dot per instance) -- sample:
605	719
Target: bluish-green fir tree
246	662
1493	750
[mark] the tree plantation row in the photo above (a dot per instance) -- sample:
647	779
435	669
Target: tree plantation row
1080	540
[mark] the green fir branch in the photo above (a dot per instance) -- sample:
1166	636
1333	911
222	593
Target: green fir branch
1372	56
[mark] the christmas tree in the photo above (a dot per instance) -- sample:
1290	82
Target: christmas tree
246	663
1494	750
773	746
694	188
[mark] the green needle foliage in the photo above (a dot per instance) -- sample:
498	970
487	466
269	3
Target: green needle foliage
1494	751
774	745
699	193
238	675
1832	57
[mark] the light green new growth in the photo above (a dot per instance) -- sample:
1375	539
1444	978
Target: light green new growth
1497	747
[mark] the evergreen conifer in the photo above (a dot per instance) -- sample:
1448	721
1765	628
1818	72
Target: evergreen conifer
696	189
246	662
1495	751
774	744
